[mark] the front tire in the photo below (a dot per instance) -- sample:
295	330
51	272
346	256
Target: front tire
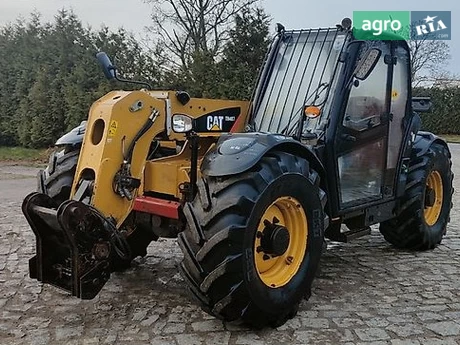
425	206
57	178
253	241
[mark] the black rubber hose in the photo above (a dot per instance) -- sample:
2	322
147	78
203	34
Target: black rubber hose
148	124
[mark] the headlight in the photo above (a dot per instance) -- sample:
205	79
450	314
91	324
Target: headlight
182	123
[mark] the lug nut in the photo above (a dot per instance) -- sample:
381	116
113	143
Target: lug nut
289	260
259	234
259	249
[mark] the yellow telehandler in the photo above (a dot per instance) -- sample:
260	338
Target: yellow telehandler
331	137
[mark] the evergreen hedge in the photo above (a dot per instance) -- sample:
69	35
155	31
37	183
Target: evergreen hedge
444	117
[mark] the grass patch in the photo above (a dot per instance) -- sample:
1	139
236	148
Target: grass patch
21	154
451	138
40	156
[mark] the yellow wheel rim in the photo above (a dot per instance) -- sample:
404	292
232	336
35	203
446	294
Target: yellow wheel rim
276	271
433	209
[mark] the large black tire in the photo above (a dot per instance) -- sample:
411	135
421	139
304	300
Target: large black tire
56	181
57	178
218	243
410	229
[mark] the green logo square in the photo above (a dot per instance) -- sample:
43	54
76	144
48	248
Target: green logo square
381	25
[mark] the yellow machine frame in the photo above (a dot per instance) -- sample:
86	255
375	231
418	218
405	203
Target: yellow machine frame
113	123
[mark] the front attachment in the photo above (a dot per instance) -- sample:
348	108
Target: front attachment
74	245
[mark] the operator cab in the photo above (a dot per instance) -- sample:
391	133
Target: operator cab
348	100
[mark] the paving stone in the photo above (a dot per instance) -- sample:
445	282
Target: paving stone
377	322
315	322
189	339
208	326
430	316
438	341
405	330
445	328
219	338
371	334
174	328
405	342
67	332
140	315
348	322
367	293
249	339
150	320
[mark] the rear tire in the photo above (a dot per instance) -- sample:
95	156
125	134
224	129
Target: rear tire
418	225
57	178
220	262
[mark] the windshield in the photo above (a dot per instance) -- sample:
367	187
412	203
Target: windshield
303	70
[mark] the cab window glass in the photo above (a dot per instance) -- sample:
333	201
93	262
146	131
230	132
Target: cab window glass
366	102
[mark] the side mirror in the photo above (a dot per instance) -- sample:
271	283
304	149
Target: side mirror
107	67
367	64
421	104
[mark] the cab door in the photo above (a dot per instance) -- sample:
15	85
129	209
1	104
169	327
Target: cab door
361	143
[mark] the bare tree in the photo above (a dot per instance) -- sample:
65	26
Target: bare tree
445	80
187	27
428	59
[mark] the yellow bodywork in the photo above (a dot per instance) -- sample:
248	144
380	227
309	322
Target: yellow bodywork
114	121
165	175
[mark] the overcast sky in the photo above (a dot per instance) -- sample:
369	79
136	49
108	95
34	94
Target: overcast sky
134	14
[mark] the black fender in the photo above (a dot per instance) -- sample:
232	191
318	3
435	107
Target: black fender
236	153
74	137
423	141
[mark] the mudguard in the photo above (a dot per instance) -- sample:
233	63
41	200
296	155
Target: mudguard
74	137
237	153
423	141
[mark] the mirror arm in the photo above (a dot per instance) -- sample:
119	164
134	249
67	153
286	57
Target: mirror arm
130	81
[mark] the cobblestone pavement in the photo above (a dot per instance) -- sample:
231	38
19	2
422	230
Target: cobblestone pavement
367	293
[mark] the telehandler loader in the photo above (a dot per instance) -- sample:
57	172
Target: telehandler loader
331	137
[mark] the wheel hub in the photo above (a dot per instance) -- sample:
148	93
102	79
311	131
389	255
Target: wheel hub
280	243
430	197
433	198
275	239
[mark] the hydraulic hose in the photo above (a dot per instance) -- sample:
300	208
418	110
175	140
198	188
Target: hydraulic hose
148	124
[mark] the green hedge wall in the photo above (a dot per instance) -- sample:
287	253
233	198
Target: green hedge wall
444	117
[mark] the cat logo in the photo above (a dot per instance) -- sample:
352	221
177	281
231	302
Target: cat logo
215	123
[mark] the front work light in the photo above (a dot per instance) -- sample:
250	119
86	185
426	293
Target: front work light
182	123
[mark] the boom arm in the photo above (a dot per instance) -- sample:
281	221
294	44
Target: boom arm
114	124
